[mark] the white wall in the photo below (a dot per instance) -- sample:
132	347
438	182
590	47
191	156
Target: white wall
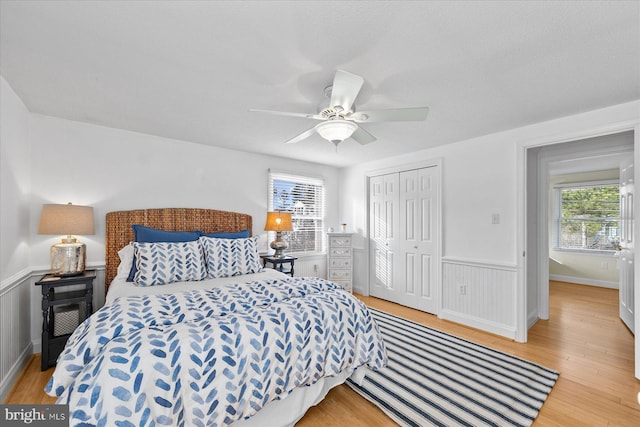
477	182
112	169
15	184
480	177
15	277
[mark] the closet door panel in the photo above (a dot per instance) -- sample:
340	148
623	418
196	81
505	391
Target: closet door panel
404	208
384	223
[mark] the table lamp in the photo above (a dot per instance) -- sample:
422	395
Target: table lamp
278	222
69	256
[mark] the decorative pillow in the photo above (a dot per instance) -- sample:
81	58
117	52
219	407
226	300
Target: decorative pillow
231	257
153	235
126	261
166	262
148	234
228	234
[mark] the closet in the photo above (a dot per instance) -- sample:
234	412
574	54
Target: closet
404	209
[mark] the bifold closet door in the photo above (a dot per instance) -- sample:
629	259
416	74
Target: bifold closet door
403	212
383	211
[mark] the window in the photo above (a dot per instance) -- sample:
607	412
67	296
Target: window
588	216
304	197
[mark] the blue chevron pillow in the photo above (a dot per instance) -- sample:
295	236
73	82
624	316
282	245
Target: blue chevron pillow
148	234
231	257
165	262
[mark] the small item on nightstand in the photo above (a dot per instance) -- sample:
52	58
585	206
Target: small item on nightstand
343	227
330	230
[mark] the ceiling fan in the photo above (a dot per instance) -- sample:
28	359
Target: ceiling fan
338	115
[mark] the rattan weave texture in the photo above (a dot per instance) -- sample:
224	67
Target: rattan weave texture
119	232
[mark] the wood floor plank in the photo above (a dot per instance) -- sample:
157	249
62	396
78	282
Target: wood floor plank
583	339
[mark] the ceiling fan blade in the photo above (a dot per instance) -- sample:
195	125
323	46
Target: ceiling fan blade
363	137
304	135
391	115
285	113
346	87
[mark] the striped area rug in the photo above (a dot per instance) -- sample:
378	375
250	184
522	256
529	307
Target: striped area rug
436	379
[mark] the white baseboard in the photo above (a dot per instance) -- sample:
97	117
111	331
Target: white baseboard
484	325
16	370
584	281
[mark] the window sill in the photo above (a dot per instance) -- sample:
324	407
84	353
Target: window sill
599	252
307	254
299	255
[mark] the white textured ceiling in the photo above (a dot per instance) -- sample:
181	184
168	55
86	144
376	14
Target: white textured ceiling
192	70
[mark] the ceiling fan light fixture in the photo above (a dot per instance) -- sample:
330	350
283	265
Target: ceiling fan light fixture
336	130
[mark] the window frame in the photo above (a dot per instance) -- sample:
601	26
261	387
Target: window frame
320	219
557	214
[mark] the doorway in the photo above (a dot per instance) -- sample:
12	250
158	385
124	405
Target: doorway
587	154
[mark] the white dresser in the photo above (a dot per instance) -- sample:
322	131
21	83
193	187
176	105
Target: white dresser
340	259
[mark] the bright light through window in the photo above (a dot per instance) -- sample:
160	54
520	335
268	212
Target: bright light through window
588	216
304	198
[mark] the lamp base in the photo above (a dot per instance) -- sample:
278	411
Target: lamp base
279	246
68	259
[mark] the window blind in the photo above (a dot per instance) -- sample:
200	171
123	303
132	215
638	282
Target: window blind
303	196
588	216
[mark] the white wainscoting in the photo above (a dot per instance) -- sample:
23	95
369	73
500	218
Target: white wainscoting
480	294
311	266
15	329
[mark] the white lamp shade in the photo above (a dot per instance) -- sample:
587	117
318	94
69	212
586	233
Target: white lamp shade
66	219
336	130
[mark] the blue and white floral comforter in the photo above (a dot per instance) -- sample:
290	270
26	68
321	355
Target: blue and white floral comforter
211	357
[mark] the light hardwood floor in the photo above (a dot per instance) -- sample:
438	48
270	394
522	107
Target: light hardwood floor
584	340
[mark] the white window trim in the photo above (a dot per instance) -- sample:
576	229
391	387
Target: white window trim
310	179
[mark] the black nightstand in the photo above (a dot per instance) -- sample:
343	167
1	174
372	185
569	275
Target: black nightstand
278	263
52	343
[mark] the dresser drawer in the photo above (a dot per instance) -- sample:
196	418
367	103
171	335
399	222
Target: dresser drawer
340	263
339	252
340	241
338	275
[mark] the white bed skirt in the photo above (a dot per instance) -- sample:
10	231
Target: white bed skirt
288	411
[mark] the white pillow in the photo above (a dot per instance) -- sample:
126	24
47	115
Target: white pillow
126	261
166	262
231	257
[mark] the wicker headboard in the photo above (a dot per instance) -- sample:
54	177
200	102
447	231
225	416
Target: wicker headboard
119	232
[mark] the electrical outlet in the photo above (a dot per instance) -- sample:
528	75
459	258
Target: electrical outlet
463	289
495	218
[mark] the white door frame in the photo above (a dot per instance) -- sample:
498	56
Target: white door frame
437	223
521	220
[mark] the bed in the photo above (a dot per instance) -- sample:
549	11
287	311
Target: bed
204	337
